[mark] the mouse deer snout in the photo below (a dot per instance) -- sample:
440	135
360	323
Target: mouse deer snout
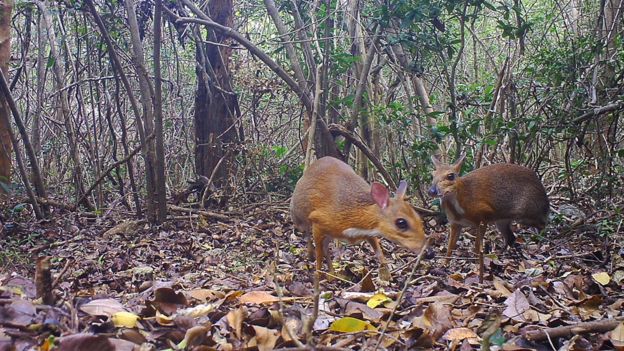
433	191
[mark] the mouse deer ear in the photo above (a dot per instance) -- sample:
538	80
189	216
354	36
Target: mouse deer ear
458	164
401	190
380	195
436	161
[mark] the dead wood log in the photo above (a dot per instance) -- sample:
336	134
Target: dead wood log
209	214
570	330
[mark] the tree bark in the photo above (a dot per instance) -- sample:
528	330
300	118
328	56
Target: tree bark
216	105
159	166
328	148
147	95
6	149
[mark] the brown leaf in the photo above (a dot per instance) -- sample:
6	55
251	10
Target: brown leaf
102	307
371	314
295	325
435	320
459	334
617	337
500	287
122	345
516	304
194	336
235	319
261	297
265	338
205	295
367	284
80	342
167	301
168	295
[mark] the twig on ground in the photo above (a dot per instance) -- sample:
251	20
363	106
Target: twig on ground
208	214
62	273
570	330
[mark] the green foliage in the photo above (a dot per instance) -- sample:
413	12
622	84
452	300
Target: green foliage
343	61
498	338
12	252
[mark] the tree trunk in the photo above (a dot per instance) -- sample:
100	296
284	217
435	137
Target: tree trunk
216	105
159	164
6	150
147	94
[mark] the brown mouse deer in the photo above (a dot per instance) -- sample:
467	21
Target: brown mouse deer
498	193
331	201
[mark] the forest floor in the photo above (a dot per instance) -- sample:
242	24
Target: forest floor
243	281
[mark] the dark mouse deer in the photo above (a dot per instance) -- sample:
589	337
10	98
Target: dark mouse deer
498	193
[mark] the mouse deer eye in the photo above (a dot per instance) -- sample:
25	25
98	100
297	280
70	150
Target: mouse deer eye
401	223
450	176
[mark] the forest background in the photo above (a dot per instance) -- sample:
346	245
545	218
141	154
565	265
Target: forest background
536	83
135	110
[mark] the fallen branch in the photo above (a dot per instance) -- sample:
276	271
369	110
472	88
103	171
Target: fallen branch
209	214
57	204
570	330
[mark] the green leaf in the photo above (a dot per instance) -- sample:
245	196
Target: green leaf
498	338
490	142
19	208
51	61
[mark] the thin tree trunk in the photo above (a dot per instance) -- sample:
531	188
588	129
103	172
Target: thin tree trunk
147	94
287	42
161	198
41	79
6	149
36	175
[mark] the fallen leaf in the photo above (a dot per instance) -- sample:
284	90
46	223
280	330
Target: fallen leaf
378	299
617	337
265	338
459	334
163	319
102	307
352	308
124	319
197	311
350	325
122	345
194	336
602	278
167	300
235	319
258	297
205	295
516	304
500	287
436	320
19	313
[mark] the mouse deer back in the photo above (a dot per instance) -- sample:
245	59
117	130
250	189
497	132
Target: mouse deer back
331	201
